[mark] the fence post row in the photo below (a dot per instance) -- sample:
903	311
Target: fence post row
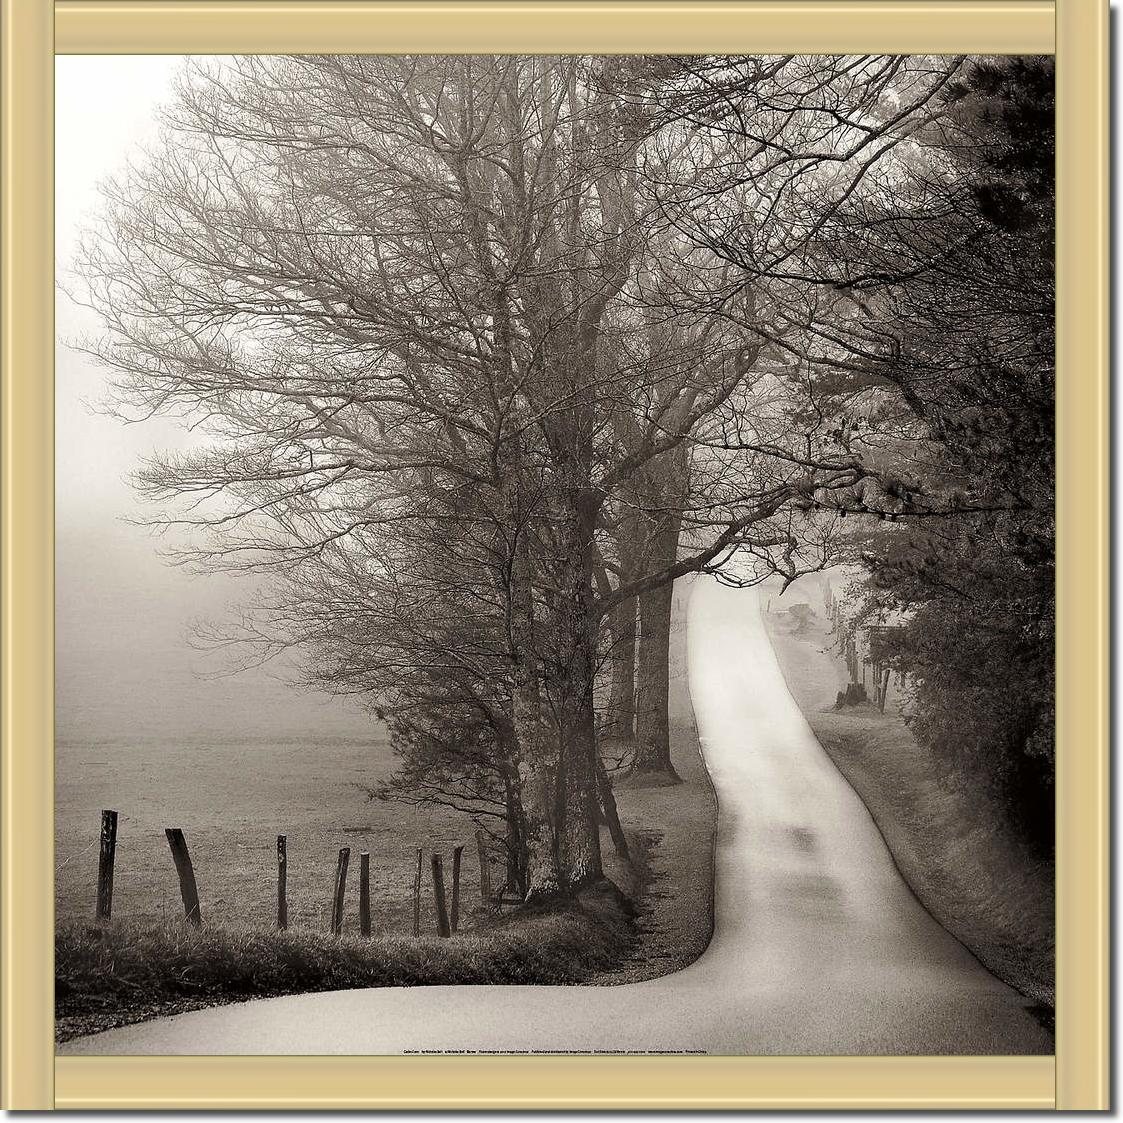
439	898
105	860
340	887
189	890
187	887
364	893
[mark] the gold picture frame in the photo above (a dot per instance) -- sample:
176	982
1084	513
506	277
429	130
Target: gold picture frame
33	31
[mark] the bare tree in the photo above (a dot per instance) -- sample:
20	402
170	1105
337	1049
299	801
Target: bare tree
434	309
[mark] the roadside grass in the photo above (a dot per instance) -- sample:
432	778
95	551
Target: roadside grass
971	874
125	972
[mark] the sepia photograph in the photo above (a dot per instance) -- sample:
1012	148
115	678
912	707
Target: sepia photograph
555	554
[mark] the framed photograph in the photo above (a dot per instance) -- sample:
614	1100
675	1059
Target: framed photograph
547	562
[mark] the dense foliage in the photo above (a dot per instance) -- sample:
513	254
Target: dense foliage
973	584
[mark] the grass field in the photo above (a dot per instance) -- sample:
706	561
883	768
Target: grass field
232	800
970	873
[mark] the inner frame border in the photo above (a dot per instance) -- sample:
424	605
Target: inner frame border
33	31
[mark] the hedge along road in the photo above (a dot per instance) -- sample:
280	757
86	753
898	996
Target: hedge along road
819	947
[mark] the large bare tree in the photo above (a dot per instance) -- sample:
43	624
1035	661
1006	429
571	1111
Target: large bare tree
401	294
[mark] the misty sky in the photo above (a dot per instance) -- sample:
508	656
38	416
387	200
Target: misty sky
124	668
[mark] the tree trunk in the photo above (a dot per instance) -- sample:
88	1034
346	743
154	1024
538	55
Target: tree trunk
538	841
653	734
580	854
579	836
513	844
620	720
611	813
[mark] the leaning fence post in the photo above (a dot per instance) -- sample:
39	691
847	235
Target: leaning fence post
485	866
105	865
282	882
340	886
364	893
417	897
439	897
187	887
457	853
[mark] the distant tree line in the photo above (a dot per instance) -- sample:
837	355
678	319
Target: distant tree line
487	352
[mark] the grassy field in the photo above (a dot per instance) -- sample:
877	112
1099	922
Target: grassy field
973	876
232	800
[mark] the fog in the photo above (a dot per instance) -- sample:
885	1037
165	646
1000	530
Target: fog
125	668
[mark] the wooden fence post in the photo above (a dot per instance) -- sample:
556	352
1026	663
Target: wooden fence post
485	866
340	887
105	865
187	887
457	854
439	897
282	882
364	893
417	896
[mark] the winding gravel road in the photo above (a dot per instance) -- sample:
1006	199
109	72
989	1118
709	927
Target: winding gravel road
819	947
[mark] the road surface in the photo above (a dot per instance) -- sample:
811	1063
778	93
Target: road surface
819	947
